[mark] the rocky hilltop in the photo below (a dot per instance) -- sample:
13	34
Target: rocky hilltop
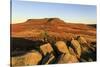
51	41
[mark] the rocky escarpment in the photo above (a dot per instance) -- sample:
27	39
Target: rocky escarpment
51	41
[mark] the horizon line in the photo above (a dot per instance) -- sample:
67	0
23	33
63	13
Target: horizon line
66	21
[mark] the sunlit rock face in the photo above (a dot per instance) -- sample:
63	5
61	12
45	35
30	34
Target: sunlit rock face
31	58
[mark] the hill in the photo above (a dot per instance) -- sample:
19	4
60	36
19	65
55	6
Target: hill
50	41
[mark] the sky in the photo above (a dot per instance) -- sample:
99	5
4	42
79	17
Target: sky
74	13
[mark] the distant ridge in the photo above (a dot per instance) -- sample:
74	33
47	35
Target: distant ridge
45	20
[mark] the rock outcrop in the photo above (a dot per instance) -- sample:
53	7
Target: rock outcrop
51	41
31	58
